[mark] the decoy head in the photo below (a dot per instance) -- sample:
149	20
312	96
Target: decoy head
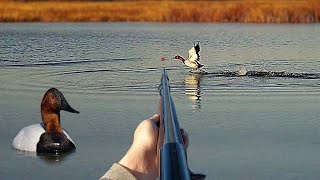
54	101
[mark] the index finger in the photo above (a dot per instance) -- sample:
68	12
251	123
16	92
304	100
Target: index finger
155	119
161	134
161	125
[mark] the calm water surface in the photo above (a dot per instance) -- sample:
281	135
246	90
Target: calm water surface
249	127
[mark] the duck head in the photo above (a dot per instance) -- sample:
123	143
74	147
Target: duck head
52	103
178	57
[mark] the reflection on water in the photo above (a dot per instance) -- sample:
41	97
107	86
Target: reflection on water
192	89
53	158
47	158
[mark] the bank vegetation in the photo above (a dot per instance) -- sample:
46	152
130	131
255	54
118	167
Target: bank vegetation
239	11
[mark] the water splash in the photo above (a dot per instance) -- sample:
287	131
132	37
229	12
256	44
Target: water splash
270	74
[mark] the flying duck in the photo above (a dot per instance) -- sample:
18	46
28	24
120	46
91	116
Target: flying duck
193	58
48	136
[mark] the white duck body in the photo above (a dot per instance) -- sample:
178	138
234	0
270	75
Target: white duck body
191	64
28	137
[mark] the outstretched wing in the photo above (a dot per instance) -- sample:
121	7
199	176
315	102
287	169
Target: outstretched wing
197	48
194	53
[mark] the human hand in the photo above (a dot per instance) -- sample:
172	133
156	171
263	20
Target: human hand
143	157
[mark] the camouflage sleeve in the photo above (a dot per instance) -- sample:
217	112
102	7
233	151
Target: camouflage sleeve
118	172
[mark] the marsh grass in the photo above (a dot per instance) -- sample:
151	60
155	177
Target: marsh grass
248	11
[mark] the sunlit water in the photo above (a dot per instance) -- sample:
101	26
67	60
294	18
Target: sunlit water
264	125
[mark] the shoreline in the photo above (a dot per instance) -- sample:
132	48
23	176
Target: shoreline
246	11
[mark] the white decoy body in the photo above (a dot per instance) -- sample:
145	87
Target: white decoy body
193	58
28	137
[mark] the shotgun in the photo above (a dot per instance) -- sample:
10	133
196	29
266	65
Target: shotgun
173	155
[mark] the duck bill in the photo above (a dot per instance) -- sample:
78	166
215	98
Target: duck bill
65	106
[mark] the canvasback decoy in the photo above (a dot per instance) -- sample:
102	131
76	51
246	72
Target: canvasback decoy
193	58
48	136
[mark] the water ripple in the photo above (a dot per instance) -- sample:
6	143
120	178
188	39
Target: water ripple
17	63
117	70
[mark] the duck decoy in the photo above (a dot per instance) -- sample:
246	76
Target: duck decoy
193	59
48	136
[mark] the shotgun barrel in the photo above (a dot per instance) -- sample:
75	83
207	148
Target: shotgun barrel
173	156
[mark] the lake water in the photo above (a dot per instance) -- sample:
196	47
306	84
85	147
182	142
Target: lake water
240	127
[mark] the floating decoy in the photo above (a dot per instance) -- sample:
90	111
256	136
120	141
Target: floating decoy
48	136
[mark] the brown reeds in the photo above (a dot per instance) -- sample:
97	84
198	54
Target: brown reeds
247	11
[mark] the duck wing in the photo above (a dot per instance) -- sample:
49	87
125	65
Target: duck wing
197	48
194	53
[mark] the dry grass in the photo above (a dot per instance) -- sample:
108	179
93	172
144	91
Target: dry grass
248	11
